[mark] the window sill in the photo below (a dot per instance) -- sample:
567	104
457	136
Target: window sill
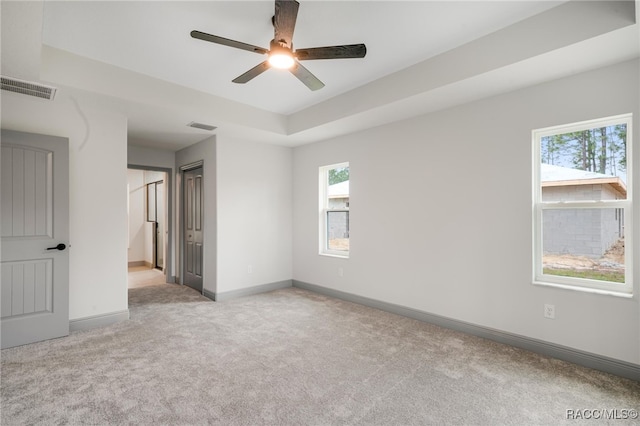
585	289
341	256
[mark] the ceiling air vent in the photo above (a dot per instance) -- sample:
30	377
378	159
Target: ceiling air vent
28	88
201	126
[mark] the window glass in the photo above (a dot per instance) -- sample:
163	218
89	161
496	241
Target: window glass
338	230
594	155
334	205
582	205
584	243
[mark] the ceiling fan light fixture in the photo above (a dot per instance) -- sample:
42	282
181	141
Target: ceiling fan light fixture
280	56
281	60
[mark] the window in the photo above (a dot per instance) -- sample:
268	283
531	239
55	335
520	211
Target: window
582	205
334	210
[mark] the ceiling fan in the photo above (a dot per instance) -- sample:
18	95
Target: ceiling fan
281	53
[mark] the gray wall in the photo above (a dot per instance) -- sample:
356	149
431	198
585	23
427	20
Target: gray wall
463	248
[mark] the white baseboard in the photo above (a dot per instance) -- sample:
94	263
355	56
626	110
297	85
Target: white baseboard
96	321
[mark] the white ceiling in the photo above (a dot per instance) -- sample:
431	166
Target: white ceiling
153	38
421	56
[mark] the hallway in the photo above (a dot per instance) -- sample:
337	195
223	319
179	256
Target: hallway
142	276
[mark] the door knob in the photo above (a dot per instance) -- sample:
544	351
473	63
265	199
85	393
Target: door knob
58	247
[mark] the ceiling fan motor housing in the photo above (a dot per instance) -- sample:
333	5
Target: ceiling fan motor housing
280	46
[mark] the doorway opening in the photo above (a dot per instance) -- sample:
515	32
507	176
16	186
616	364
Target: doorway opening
150	251
156	218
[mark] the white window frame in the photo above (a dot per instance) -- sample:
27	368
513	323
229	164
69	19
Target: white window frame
582	284
324	209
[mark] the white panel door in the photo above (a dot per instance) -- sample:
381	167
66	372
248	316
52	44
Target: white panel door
34	227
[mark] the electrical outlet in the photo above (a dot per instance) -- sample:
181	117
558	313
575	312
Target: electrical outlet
249	269
550	311
340	272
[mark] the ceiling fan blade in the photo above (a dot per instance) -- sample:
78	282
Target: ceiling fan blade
305	76
332	52
252	73
284	20
227	42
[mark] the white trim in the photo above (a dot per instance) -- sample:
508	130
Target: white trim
585	125
191	166
332	253
323	209
593	286
584	289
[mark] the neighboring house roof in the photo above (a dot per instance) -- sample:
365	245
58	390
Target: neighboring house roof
338	190
551	175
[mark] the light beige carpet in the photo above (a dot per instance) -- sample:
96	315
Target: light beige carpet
142	276
290	357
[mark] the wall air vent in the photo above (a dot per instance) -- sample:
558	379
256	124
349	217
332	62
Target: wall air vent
38	90
201	126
